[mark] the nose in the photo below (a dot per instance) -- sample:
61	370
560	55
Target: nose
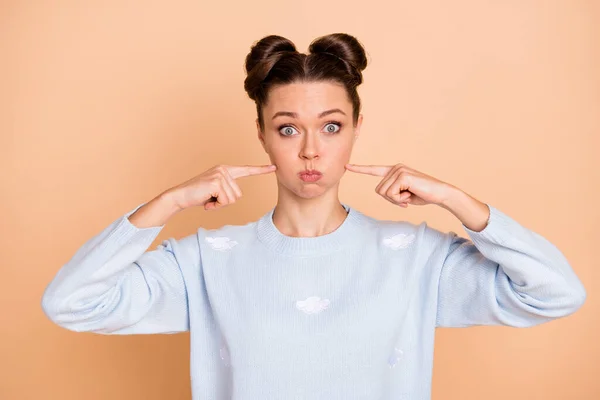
309	149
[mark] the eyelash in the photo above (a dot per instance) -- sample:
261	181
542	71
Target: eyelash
339	125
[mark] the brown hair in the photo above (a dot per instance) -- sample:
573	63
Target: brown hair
274	60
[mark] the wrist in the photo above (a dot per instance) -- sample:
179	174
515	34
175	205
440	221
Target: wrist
154	213
452	197
171	200
471	212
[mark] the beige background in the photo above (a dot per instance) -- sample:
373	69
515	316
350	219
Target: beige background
103	104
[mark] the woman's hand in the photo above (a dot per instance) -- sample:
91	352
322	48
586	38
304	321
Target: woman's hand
216	187
402	185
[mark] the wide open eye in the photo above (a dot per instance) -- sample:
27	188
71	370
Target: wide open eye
333	127
287	130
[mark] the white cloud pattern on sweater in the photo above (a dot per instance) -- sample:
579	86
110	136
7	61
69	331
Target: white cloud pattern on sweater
220	243
399	241
395	357
312	305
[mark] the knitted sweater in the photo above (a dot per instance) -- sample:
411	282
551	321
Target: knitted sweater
347	315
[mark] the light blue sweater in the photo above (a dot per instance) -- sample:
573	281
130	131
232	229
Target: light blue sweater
347	315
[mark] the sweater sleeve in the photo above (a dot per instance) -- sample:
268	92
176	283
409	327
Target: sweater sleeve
505	275
112	285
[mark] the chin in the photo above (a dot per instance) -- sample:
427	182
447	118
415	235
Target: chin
309	194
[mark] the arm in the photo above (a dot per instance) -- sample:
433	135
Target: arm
113	286
505	275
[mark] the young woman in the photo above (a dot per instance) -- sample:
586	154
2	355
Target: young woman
315	300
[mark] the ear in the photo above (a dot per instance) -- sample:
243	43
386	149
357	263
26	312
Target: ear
357	127
261	136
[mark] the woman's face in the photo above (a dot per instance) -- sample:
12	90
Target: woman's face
308	127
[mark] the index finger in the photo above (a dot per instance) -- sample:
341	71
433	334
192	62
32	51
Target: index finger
239	171
376	170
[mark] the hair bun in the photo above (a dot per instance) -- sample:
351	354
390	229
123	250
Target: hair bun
266	49
263	55
342	45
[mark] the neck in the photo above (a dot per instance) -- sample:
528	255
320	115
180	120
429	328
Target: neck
300	217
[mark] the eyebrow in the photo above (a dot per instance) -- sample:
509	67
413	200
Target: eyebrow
295	115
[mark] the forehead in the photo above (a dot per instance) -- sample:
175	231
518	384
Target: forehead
308	99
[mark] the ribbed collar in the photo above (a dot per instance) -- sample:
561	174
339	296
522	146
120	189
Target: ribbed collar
348	234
